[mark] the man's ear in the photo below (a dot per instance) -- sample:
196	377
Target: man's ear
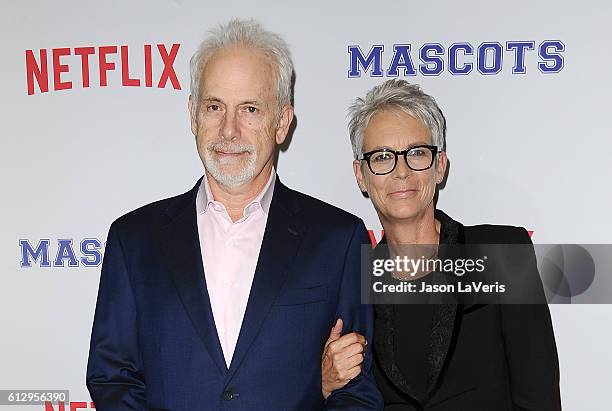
442	162
193	116
284	122
359	176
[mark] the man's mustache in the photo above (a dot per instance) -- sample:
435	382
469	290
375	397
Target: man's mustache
230	147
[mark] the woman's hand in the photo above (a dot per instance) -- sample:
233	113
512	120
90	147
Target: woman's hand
342	358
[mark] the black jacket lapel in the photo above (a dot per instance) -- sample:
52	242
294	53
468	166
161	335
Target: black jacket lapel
447	317
384	337
445	326
384	350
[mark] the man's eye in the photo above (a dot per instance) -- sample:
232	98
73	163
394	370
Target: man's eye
251	109
213	107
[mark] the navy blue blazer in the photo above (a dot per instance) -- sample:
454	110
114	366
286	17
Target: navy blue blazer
154	344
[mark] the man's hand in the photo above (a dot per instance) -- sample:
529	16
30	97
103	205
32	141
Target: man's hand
342	358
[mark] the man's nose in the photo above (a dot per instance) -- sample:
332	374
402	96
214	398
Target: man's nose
229	127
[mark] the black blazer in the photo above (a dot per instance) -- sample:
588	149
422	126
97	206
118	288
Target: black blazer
480	357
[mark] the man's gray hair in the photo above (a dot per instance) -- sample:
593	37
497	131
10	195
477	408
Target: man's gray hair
396	94
250	34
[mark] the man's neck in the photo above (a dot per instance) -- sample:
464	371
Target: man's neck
235	199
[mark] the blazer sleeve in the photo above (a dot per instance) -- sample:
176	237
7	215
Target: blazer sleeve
114	370
361	393
530	348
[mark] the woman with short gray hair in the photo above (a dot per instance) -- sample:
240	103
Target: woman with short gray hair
451	356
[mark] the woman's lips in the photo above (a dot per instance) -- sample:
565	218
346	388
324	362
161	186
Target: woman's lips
409	193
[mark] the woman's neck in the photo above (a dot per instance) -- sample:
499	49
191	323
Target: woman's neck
422	229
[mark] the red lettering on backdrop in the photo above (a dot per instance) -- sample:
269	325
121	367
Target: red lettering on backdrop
73	406
105	65
59	68
168	60
373	237
84	52
34	70
37	71
148	66
125	70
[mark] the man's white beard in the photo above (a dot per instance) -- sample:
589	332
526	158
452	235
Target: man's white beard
215	166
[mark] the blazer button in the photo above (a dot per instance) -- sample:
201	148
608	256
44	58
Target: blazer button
228	395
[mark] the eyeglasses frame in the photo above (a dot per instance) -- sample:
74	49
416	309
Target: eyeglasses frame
403	153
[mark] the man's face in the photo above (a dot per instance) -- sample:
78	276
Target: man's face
403	194
235	123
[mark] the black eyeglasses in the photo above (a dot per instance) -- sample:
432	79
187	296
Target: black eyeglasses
384	160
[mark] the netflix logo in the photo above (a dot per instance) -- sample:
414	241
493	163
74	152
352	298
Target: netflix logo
72	406
65	68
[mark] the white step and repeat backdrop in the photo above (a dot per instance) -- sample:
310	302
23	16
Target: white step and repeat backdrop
95	123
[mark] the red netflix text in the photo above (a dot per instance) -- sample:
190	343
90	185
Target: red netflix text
73	406
55	63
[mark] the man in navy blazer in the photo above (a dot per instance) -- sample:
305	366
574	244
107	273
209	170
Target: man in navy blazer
221	298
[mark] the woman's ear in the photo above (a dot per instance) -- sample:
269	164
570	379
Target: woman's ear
441	163
359	176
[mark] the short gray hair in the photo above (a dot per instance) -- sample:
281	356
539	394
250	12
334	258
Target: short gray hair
246	33
396	94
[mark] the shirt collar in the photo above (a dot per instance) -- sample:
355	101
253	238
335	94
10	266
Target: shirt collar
205	199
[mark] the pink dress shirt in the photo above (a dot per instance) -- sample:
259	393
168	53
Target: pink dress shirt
229	253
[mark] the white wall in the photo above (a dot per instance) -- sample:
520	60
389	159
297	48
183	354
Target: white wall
74	160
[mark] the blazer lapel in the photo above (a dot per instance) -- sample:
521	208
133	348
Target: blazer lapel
384	338
447	317
445	327
384	335
279	245
184	254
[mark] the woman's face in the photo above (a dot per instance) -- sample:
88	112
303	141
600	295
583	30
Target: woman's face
403	194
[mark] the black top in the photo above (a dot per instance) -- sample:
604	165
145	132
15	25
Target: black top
449	357
411	343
